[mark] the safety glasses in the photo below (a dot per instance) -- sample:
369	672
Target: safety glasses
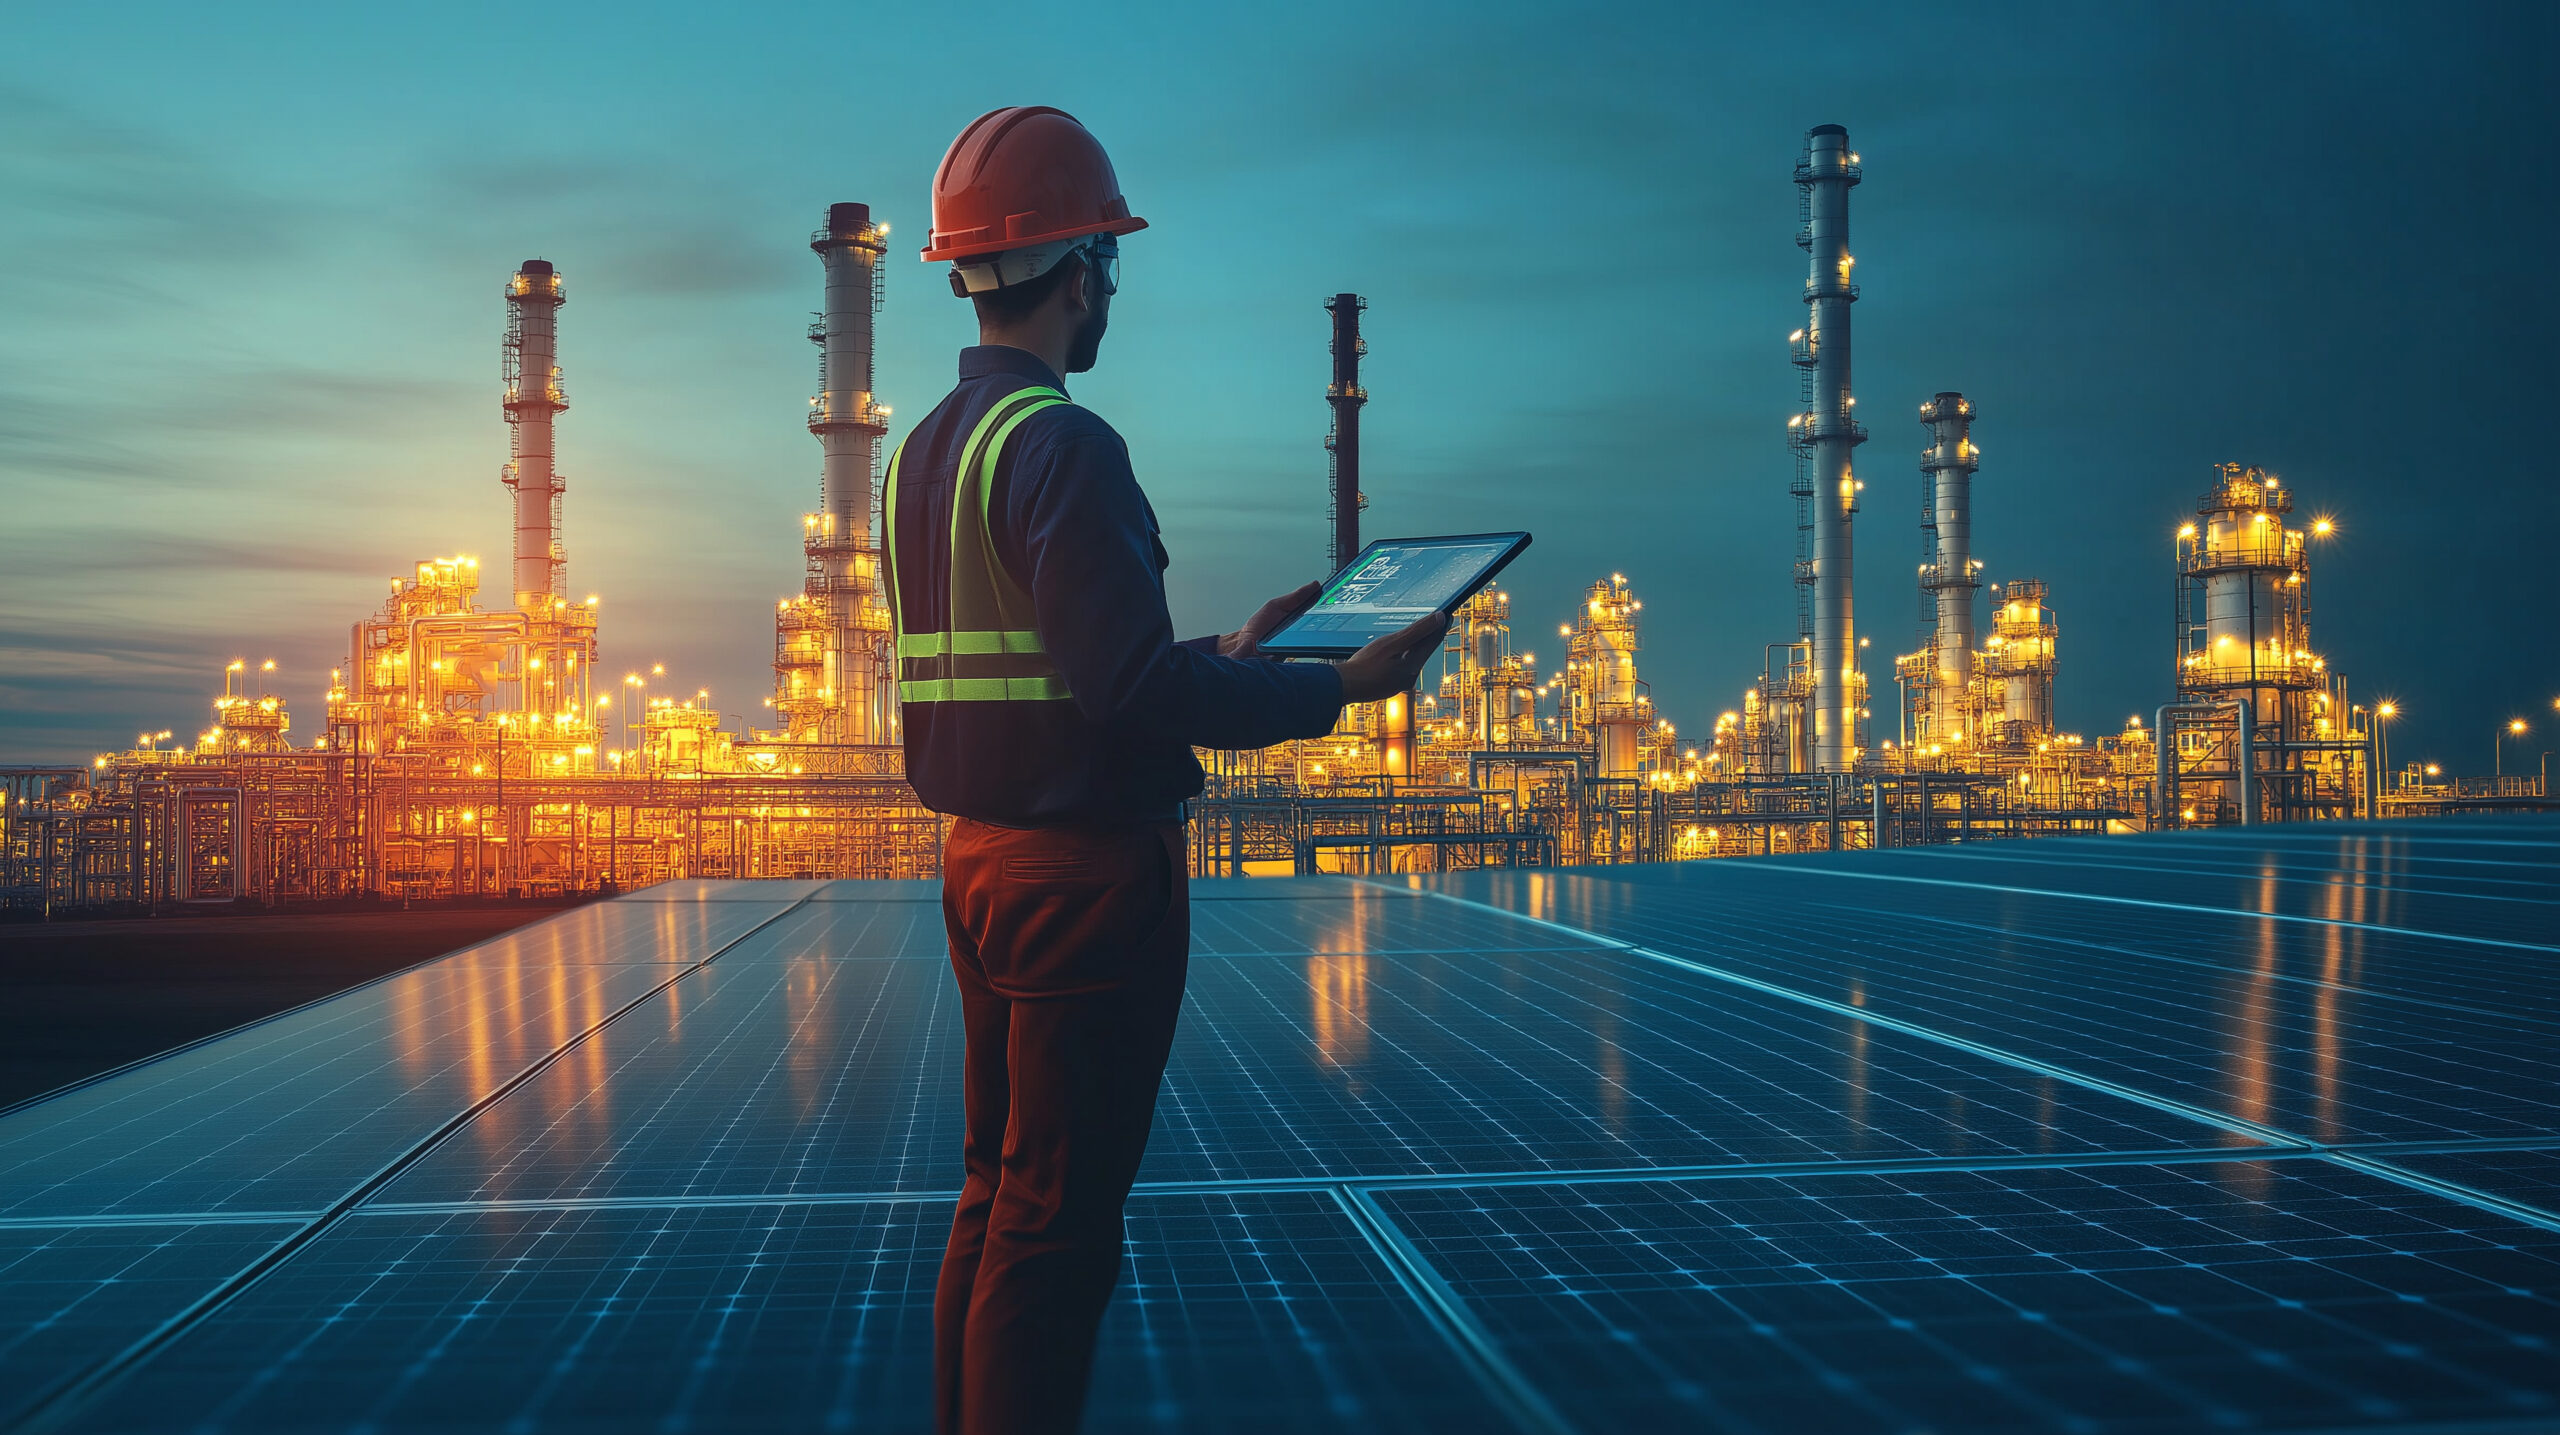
1102	260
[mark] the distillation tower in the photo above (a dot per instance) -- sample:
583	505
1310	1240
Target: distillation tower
2253	696
1604	698
832	668
1947	580
1825	434
1343	497
1488	694
2018	664
530	367
431	669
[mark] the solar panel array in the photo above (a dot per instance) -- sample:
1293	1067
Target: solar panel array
2243	1130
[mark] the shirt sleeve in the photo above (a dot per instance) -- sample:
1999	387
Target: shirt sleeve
1089	545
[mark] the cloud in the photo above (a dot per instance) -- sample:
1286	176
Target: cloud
75	553
148	204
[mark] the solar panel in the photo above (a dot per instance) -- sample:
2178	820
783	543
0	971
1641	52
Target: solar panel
2171	1298
2314	1060
2526	1177
1244	1311
2035	1142
844	1076
68	1293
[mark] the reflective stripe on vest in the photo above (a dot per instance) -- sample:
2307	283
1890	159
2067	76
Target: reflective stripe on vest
990	652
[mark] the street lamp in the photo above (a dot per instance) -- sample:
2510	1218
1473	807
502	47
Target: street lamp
2383	713
2498	752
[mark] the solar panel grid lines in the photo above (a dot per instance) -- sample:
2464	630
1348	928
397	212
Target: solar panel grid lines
1327	1066
284	1114
2385	856
64	1291
2398	1161
2414	1073
2471	1195
2465	938
1239	1311
1575	1176
2336	1070
63	1398
2527	1177
771	1074
153	1218
1860	1012
10	1108
1453	1061
1527	1405
2518	918
2244	1295
287	1114
1425	1165
2036	909
2160	952
2495	880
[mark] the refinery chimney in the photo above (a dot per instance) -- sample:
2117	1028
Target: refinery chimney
1946	580
531	369
843	559
1346	396
1825	433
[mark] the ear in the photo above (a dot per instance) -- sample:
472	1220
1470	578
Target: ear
1077	289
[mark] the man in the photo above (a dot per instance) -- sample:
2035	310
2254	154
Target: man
1048	708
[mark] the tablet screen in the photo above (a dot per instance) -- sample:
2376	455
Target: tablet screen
1392	583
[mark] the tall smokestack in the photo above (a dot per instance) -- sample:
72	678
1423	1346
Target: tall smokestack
531	368
843	567
1947	580
1828	430
1346	396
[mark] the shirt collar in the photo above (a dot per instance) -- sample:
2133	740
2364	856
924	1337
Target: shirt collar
980	360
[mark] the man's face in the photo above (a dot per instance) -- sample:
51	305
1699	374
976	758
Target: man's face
1086	346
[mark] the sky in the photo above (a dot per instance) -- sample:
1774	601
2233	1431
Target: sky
251	259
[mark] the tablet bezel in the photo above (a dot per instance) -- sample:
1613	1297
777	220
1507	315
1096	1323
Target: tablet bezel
1515	543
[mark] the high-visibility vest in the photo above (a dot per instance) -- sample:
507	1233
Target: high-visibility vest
989	650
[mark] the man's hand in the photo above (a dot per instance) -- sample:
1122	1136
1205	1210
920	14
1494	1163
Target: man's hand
1246	642
1389	665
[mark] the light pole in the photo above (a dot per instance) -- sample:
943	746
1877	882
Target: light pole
503	824
2498	752
637	709
2383	713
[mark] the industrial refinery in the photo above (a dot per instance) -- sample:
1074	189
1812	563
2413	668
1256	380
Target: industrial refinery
472	750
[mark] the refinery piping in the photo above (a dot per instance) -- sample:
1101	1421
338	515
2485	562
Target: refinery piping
471	752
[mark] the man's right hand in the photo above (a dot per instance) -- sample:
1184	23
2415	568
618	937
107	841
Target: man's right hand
1390	665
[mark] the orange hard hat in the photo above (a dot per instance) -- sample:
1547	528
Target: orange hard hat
1021	176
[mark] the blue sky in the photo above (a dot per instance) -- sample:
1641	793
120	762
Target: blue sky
250	262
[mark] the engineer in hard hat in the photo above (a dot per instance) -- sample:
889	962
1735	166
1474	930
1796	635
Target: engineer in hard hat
1048	707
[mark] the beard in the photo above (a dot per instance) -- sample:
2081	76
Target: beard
1086	346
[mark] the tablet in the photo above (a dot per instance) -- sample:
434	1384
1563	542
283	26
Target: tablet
1393	582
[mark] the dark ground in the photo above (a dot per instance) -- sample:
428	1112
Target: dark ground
78	998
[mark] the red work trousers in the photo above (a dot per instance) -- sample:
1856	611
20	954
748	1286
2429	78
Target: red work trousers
1070	946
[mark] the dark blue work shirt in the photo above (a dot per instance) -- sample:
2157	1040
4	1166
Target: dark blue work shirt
1071	525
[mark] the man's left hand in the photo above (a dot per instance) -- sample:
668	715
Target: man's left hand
1246	642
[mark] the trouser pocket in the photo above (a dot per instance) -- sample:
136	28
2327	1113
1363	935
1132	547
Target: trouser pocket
1064	911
